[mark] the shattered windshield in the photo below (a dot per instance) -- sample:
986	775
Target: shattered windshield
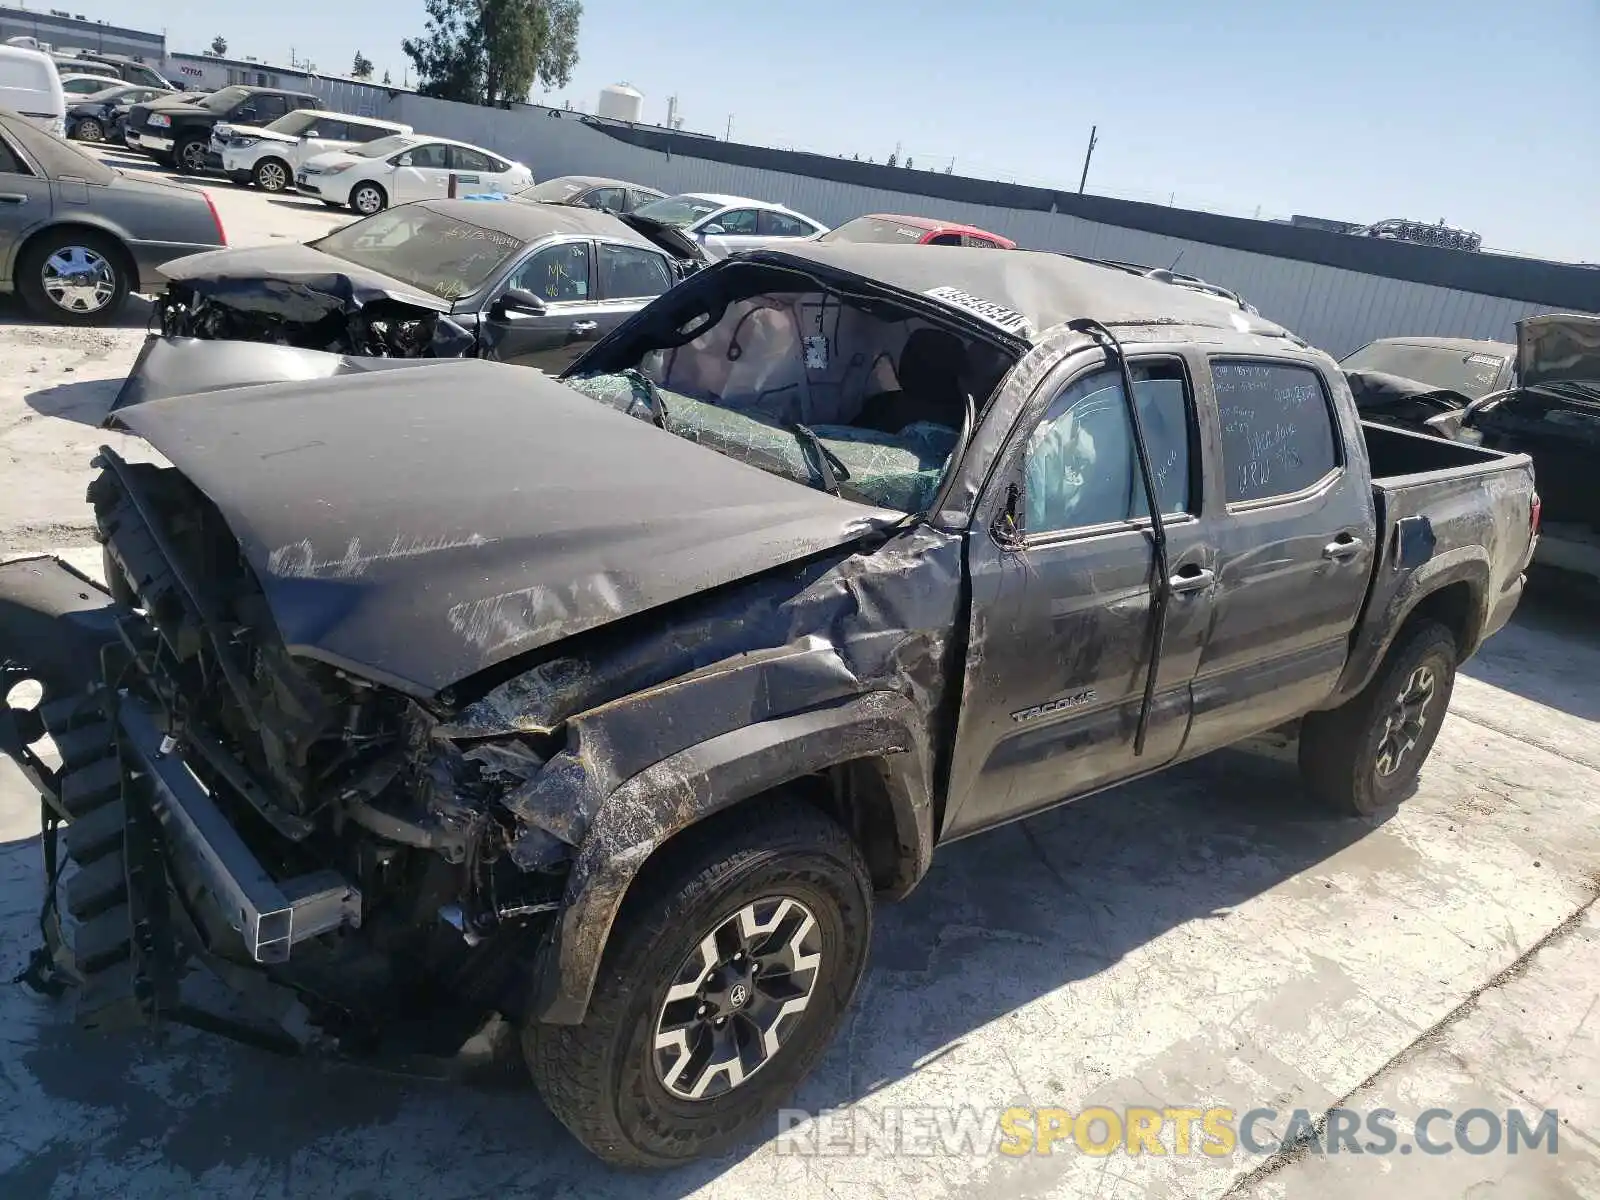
440	254
221	102
1472	373
866	403
682	211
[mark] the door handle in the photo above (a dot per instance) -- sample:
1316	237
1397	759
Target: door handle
13	197
1191	579
1343	547
585	326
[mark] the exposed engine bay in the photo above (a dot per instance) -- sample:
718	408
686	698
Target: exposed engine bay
320	772
299	315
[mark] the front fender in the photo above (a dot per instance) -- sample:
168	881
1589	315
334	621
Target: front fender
668	797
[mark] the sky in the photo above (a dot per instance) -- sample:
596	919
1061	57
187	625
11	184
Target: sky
1479	112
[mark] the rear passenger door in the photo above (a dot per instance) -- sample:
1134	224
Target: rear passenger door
1062	564
25	200
1294	552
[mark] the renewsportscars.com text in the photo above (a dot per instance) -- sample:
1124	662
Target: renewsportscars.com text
1213	1132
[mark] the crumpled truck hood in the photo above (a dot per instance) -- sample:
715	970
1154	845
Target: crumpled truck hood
298	283
1558	348
417	527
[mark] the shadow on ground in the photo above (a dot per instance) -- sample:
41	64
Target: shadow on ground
1550	653
86	401
135	314
1001	920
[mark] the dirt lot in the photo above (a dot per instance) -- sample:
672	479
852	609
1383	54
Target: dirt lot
1205	938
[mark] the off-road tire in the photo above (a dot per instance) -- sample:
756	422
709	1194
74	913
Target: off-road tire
1339	748
600	1079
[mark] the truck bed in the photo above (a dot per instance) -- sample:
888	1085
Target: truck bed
1445	510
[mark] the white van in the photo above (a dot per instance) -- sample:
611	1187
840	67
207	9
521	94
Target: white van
30	85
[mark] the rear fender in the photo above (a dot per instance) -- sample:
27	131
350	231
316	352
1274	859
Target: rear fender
674	794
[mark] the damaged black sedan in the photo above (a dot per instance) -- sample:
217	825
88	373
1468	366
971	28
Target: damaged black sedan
535	285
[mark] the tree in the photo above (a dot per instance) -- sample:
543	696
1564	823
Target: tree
493	51
219	45
363	66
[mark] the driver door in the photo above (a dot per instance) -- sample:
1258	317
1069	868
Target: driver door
553	331
420	173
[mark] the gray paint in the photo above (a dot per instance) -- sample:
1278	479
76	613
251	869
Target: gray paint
1336	309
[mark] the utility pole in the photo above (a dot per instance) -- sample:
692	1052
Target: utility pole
728	137
1087	155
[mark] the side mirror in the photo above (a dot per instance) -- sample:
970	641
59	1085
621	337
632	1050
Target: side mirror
516	300
713	231
404	161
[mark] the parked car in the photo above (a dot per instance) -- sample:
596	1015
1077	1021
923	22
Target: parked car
177	133
126	68
77	87
118	130
530	284
1540	397
71	64
94	118
403	168
925	231
76	237
592	191
650	682
30	86
723	224
268	156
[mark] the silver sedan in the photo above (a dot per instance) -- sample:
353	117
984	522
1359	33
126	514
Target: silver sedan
76	236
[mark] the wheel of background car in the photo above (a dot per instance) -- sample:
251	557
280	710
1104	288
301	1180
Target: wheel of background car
191	156
89	130
723	981
272	175
368	198
74	276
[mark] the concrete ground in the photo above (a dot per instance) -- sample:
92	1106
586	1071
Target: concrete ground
1205	938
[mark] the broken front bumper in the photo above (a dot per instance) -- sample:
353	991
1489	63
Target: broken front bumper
156	878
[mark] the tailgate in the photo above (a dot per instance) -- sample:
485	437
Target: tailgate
1447	512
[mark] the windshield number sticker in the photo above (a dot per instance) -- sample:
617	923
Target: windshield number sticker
1008	319
816	353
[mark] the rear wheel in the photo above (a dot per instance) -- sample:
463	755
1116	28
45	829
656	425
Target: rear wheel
74	277
368	198
89	130
191	156
272	175
1366	753
723	982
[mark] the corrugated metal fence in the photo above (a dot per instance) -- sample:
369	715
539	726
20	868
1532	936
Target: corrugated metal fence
1331	307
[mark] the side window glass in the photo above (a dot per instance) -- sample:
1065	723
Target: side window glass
605	199
777	224
739	221
10	161
431	155
559	274
463	159
945	239
1081	467
627	272
1278	430
970	239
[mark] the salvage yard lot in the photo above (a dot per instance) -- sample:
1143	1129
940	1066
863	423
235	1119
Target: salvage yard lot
1203	938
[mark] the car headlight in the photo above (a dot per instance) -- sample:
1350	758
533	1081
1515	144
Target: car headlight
159	121
243	143
337	168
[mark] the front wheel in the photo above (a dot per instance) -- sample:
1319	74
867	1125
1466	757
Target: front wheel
724	979
89	130
1366	753
272	175
191	156
368	198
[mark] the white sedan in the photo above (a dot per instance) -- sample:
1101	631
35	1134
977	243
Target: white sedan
723	224
407	167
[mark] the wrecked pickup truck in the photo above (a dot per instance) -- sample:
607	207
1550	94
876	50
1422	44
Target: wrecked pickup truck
607	708
533	284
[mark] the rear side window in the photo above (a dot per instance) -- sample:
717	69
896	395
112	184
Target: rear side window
463	159
1278	430
777	224
357	132
11	161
